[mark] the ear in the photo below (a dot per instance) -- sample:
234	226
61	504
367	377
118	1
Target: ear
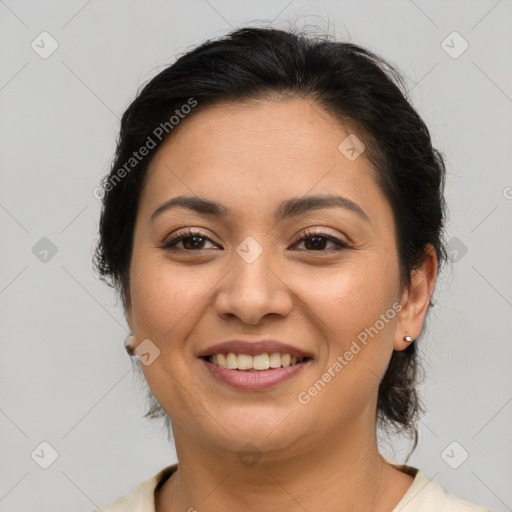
128	307
415	299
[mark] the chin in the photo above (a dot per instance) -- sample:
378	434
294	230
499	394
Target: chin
270	431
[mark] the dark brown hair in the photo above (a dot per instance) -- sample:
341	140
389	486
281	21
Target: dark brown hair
352	84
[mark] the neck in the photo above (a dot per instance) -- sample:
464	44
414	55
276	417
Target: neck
339	475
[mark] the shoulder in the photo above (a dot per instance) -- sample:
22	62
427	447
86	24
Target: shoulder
424	495
142	499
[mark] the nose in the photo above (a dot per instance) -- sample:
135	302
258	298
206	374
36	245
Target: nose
253	290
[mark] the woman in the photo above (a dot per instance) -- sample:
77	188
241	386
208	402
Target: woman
273	223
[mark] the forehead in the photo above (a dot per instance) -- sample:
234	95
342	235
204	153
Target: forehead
276	130
259	153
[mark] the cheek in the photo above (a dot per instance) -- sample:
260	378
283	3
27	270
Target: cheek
164	297
354	313
354	308
166	303
354	296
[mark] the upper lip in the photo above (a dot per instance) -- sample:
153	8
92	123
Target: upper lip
253	348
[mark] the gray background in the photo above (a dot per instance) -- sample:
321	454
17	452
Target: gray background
65	378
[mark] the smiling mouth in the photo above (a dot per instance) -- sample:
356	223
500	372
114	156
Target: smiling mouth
256	363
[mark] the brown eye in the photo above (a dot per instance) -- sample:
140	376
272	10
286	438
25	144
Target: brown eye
316	241
192	241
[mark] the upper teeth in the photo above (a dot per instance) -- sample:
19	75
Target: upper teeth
264	361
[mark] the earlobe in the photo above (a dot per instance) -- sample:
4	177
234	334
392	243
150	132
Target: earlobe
416	300
128	344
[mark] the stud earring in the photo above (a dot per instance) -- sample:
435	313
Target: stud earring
128	344
408	339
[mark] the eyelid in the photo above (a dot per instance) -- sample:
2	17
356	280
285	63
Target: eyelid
179	235
185	233
320	231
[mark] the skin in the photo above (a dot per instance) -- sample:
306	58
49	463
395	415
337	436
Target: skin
318	456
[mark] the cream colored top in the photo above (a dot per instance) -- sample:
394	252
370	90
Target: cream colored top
423	496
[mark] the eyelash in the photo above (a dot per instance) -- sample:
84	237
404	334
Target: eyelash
170	245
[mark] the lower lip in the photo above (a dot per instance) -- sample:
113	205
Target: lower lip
258	380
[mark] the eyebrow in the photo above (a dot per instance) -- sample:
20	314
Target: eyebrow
289	208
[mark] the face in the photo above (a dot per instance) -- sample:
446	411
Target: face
323	280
